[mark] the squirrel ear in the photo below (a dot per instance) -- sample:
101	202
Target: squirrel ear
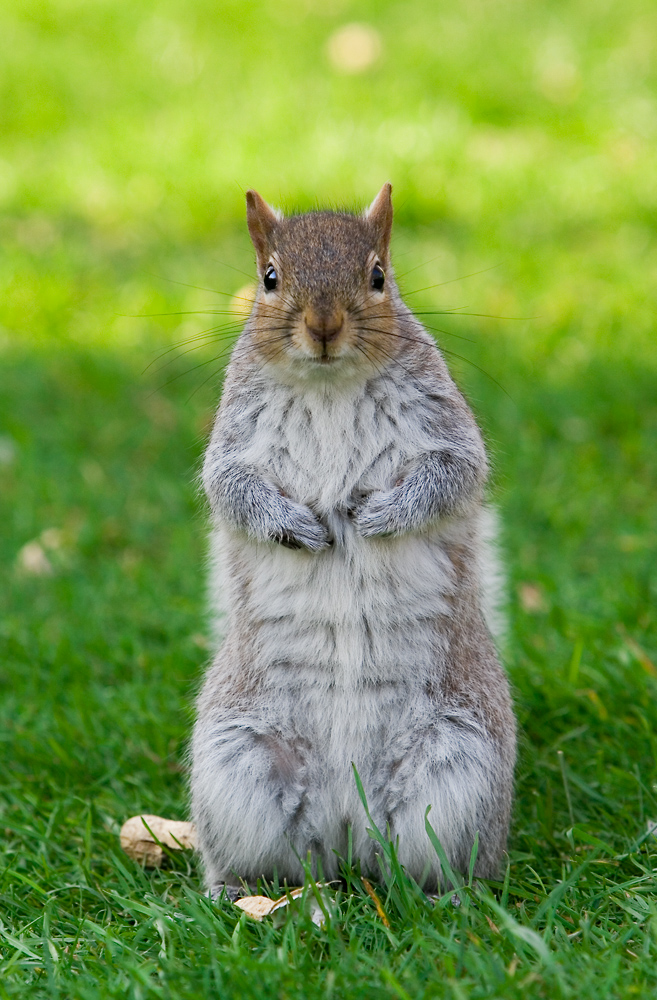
379	216
261	220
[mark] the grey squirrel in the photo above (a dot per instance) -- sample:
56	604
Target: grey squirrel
351	563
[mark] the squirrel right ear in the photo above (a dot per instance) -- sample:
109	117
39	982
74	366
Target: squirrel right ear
379	216
261	220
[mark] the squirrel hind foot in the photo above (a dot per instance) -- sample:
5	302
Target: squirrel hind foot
231	892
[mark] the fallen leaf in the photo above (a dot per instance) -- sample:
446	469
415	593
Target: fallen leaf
257	907
142	837
260	907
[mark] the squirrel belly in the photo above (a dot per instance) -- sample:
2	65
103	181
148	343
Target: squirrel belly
350	570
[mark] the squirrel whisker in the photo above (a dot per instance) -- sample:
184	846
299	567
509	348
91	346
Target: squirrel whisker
449	333
225	332
451	281
226	350
453	354
438	312
186	312
181	354
391	357
375	361
460	312
392	333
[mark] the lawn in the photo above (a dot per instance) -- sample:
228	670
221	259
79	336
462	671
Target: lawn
519	137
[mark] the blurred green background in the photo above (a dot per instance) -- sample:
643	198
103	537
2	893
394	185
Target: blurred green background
520	139
517	134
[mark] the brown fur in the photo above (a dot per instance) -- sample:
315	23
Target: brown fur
323	260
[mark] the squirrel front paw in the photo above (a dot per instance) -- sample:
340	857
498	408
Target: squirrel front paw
300	529
378	515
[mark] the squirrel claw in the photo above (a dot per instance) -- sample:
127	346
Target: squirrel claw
292	541
313	538
296	526
231	892
287	540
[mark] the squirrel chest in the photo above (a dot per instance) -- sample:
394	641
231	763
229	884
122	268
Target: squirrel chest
362	611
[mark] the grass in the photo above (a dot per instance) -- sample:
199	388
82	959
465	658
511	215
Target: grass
519	138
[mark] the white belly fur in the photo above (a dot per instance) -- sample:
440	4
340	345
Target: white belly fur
366	608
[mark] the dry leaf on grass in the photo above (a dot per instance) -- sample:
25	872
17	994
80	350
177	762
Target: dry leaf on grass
260	907
142	836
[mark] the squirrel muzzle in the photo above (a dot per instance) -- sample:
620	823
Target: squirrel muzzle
324	328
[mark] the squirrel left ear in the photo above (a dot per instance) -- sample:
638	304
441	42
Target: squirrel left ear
379	216
261	220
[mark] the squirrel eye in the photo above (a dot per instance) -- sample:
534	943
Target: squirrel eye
270	278
378	278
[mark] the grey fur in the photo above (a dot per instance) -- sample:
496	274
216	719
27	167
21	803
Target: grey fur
345	477
238	494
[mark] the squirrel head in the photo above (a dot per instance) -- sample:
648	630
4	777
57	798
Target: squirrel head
326	294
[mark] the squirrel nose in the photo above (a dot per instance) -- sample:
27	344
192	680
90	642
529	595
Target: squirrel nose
324	328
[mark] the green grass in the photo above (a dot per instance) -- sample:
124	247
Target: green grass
520	139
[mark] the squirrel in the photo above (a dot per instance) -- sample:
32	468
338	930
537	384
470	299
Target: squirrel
351	568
